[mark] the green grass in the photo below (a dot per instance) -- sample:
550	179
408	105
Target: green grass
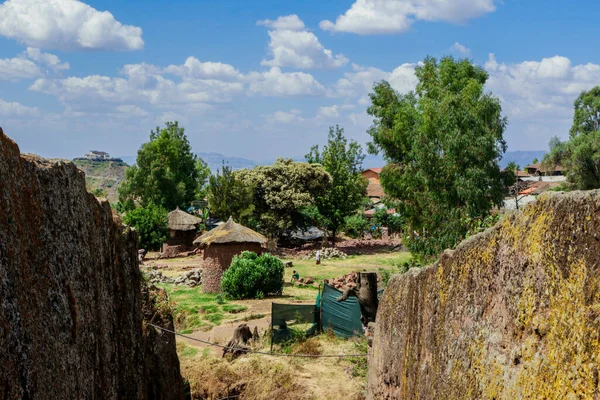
197	310
186	351
337	267
234	308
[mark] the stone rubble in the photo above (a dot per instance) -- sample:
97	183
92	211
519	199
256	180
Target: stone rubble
190	278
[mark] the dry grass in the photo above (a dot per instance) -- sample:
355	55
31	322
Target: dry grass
268	377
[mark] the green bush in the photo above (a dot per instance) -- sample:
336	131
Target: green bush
253	276
356	225
150	222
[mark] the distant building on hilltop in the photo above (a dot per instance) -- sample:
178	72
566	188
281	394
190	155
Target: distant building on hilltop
95	155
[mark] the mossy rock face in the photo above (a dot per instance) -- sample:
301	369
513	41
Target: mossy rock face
512	313
74	310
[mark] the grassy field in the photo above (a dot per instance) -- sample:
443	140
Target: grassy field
337	267
195	310
265	376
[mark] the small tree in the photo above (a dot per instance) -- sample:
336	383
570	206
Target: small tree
355	225
228	196
253	276
166	173
150	222
282	192
343	161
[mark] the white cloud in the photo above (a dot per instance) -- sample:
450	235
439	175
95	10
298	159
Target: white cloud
15	69
194	68
460	49
16	110
328	112
143	83
277	83
359	83
540	89
393	16
288	22
299	48
284	117
66	25
50	60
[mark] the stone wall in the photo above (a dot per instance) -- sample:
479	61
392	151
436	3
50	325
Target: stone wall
71	305
513	313
217	258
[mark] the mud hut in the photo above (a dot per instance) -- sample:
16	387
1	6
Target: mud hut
182	228
220	245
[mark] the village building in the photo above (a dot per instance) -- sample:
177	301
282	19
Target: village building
220	245
95	155
183	228
539	170
374	189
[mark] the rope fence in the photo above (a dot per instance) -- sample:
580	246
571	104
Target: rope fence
259	352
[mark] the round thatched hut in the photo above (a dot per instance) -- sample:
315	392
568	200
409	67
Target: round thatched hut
182	228
220	245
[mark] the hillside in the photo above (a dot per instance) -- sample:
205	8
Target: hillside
105	175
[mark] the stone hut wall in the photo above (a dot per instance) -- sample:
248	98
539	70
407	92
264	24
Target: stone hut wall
71	304
512	313
181	238
217	258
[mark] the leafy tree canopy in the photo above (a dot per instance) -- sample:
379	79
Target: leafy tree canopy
166	172
228	196
282	191
580	155
343	161
150	222
442	143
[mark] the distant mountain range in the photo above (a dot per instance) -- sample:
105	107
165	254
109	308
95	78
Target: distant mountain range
522	158
215	160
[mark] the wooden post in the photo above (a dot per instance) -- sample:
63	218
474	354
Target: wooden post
271	327
366	293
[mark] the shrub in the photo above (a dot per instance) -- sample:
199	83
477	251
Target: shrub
253	276
355	226
150	222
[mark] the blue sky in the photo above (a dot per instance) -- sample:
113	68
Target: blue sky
261	79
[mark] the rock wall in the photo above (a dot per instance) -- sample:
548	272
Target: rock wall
71	305
512	313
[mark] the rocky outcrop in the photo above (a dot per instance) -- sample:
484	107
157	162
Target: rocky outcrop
190	278
513	313
73	319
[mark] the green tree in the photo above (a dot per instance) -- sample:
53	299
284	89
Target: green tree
535	161
355	225
166	172
150	222
586	118
228	196
343	161
580	155
442	143
282	192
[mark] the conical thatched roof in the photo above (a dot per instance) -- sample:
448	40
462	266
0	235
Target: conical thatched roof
182	221
230	232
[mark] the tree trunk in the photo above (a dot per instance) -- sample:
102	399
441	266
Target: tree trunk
241	337
366	293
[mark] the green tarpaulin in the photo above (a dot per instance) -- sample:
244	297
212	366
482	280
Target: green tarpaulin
343	317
